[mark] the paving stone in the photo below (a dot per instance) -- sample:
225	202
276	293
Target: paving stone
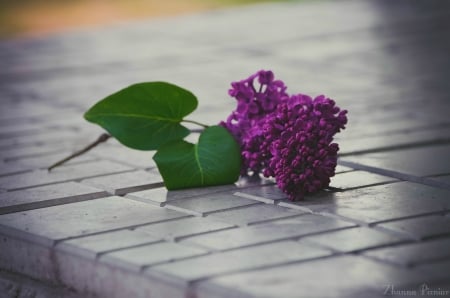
345	276
134	158
357	179
160	196
61	174
184	227
7	169
267	194
92	246
209	203
342	169
420	227
119	184
392	141
254	214
379	203
30	151
431	160
275	230
350	240
136	258
43	162
45	196
49	224
239	260
439	270
415	253
445	178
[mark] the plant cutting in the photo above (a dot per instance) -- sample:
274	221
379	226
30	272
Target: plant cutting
272	133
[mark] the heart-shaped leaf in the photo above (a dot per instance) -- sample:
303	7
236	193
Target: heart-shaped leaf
215	160
146	115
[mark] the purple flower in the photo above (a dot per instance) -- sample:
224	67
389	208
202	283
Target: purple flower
289	138
254	104
298	144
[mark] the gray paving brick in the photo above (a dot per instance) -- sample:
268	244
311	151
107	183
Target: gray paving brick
30	151
342	169
49	224
420	227
415	253
239	260
209	203
345	276
254	214
389	141
358	179
119	184
160	196
350	240
415	161
7	169
43	162
61	174
266	194
379	203
184	227
134	158
136	258
269	232
92	246
439	270
45	196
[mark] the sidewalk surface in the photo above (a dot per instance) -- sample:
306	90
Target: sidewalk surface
104	226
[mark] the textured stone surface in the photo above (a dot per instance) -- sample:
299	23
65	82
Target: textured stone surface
358	179
415	253
184	227
420	227
254	214
59	222
267	194
355	239
239	260
119	184
61	174
414	161
45	196
262	233
92	246
320	278
138	257
209	203
379	203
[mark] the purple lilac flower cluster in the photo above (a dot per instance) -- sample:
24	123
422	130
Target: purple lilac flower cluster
253	106
286	137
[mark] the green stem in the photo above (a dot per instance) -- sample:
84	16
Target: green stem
195	122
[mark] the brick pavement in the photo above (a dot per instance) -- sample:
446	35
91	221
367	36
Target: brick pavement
103	225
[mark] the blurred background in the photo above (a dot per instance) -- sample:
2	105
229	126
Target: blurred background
41	17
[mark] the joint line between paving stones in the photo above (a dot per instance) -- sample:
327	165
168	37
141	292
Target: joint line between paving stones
395	174
132	227
411	145
98	255
274	219
180	238
74	180
262	267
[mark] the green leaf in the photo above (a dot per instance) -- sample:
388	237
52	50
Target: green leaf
215	160
146	115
